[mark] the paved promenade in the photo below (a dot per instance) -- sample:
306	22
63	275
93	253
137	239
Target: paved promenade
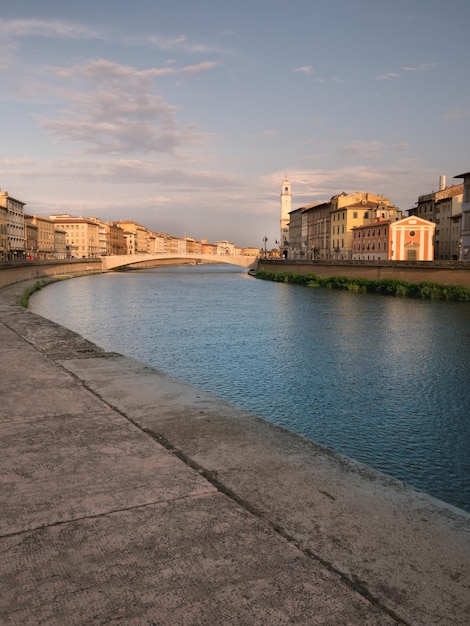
128	497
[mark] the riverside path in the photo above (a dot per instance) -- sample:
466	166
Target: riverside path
129	497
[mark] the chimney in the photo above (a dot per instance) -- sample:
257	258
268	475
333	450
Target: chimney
442	183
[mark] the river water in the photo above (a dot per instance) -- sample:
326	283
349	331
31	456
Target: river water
380	379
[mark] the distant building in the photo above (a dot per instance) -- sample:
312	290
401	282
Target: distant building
3	232
294	240
412	239
140	240
45	237
317	217
60	243
408	239
15	241
325	230
208	248
465	232
225	247
441	207
31	239
116	243
372	241
82	235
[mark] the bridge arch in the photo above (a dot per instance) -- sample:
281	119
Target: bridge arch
114	262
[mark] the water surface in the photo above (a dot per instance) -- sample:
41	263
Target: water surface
383	380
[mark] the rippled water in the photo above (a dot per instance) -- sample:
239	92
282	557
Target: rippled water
383	380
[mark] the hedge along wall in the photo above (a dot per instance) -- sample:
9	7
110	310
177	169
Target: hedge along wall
383	286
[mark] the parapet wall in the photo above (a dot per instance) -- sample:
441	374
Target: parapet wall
441	272
14	272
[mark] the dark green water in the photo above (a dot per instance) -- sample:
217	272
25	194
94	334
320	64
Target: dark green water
383	380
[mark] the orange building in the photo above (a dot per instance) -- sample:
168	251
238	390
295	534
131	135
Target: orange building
411	239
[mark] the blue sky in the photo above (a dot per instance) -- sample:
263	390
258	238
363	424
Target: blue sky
186	116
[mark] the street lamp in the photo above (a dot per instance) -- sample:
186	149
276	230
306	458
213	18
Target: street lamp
265	239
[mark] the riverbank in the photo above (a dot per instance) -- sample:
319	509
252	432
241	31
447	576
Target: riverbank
154	502
439	272
385	286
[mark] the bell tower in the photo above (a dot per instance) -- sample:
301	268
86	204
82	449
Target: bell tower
286	207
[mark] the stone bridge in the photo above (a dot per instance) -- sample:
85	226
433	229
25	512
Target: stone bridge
126	260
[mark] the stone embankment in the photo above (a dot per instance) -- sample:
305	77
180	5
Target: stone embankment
440	272
131	497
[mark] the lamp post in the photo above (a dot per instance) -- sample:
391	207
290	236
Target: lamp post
265	239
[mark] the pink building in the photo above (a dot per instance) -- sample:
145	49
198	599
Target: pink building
407	239
412	239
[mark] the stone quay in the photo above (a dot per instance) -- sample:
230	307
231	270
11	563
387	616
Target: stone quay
130	497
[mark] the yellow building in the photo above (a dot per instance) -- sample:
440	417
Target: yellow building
141	236
45	237
349	211
31	239
82	235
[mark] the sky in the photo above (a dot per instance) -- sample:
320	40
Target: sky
186	115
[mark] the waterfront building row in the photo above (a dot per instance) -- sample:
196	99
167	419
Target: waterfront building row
65	236
347	226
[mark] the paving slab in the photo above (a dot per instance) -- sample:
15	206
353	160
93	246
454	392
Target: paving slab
405	549
69	467
192	561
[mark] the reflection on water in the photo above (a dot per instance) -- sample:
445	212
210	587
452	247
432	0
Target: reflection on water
380	379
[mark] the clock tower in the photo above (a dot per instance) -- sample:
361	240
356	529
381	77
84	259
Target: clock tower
286	207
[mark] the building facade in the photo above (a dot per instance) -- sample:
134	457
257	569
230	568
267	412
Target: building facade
3	233
371	241
465	225
46	248
31	239
82	235
325	230
441	207
60	243
140	242
412	239
15	242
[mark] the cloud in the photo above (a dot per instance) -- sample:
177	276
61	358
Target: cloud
424	67
113	108
457	112
364	149
388	76
123	171
305	69
56	29
268	132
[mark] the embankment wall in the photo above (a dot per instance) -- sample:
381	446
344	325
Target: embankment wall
14	272
446	273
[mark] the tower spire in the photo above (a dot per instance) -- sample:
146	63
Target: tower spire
286	207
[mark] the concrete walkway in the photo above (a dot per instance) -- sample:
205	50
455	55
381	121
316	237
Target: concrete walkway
129	497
